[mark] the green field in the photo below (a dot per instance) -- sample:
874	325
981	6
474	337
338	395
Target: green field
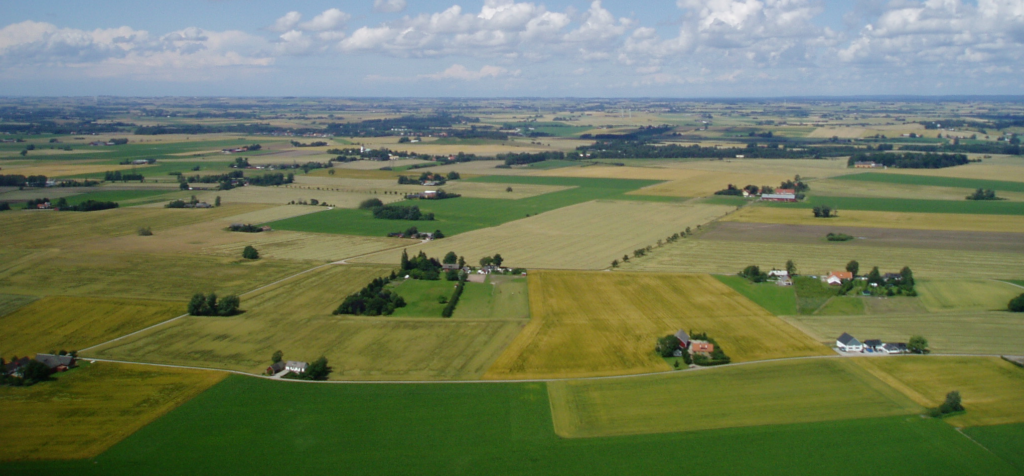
459	215
556	164
119	196
875	204
926	180
772	393
12	302
811	293
421	296
1006	441
778	300
843	306
502	297
966	294
258	427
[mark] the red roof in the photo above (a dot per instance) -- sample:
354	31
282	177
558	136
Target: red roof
841	274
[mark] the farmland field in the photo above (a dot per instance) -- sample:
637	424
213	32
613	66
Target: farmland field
991	388
730	257
964	294
389	188
905	205
284	195
1007	441
489	429
79	416
970	332
123	197
73	323
825	190
309	246
935	181
857	218
585	236
295	317
500	297
592	324
778	300
763	394
12	302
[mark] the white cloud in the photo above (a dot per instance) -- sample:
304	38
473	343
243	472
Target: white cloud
461	73
328	20
287	22
388	6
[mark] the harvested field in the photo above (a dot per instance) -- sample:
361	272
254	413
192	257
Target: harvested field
990	387
291	245
865	236
12	302
983	171
680	182
773	393
273	214
73	323
841	132
966	294
805	168
389	190
295	317
89	409
584	236
856	188
970	332
729	257
592	324
286	194
378	164
901	220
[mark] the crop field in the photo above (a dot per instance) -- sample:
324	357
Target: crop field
295	317
80	416
966	294
139	275
290	245
772	393
991	388
824	190
842	306
273	214
730	257
592	324
881	219
421	297
12	302
805	168
778	300
73	323
492	429
1003	440
123	197
1010	170
680	182
286	194
880	204
935	181
971	332
584	236
501	297
389	190
864	236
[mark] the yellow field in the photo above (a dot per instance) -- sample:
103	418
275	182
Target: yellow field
805	168
593	324
987	170
273	214
966	294
284	195
377	164
841	132
730	257
295	317
311	246
89	409
991	388
73	323
855	188
773	393
467	189
910	221
62	169
584	236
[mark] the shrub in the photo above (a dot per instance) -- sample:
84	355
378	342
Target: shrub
370	203
250	253
952	403
1016	304
145	231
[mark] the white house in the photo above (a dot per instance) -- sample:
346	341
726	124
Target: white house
296	366
778	273
848	343
891	349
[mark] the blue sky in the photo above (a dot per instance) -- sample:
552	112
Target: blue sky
610	48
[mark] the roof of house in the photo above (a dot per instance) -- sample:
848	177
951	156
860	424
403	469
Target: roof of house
847	339
54	361
891	346
873	342
295	364
841	274
277	366
779	196
682	336
15	364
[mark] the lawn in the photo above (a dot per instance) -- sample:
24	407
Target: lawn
73	323
89	409
991	388
967	332
500	297
773	393
584	236
593	324
421	297
966	294
778	300
882	219
933	181
459	215
258	427
295	317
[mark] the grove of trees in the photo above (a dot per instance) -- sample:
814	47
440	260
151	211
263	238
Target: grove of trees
208	305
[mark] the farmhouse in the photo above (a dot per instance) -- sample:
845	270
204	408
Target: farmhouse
784	282
864	165
778	273
56	363
836	278
14	367
296	366
275	367
785	191
848	343
699	346
778	197
873	344
897	348
684	338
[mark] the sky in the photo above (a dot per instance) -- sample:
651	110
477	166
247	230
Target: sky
511	48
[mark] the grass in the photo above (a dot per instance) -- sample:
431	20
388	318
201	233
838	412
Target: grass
488	429
774	393
878	204
557	164
454	216
87	410
584	236
501	297
421	296
811	293
12	302
72	323
991	388
1003	440
116	196
855	218
842	306
970	332
729	257
926	180
593	324
295	317
966	294
778	300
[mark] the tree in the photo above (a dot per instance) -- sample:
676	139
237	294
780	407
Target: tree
508	189
486	261
918	345
216	202
1016	304
195	306
183	186
450	258
615	263
907	278
438	235
278	355
497	259
228	306
952	403
462	261
854	267
370	203
668	345
790	268
874	276
250	253
35	371
318	370
405	260
210	307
